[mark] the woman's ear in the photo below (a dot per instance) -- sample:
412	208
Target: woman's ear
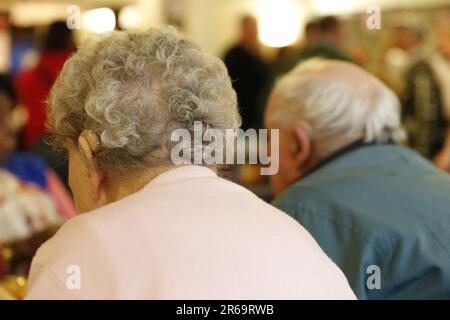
302	144
88	143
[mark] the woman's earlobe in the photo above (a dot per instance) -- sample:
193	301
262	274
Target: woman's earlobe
97	181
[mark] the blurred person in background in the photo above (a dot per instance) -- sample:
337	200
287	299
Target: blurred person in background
25	209
25	179
426	105
328	43
406	50
24	52
248	72
312	34
286	56
182	232
367	201
34	84
33	202
323	38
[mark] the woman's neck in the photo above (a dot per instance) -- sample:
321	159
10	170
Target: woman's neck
119	187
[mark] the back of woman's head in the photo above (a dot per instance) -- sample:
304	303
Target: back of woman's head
132	89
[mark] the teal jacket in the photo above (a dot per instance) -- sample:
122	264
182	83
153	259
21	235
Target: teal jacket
382	206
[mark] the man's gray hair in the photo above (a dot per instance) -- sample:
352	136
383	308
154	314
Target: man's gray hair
133	89
333	97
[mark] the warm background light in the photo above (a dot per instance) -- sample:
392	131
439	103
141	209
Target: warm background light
130	18
324	7
279	22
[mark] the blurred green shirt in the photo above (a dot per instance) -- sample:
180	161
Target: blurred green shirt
379	205
320	50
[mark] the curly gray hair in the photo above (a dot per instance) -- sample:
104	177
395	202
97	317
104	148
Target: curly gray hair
133	89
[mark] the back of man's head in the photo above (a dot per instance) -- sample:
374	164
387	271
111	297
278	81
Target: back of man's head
334	98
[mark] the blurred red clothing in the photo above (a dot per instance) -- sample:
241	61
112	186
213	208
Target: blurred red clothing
33	87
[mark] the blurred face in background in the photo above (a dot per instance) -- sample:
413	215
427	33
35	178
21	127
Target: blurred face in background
249	29
312	33
7	134
406	38
331	30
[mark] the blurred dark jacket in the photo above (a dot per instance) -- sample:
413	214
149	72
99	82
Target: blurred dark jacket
423	110
249	74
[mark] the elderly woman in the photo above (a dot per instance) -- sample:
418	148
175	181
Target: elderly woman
154	229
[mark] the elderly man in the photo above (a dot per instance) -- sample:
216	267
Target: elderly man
380	211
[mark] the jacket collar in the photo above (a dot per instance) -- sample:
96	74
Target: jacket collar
343	151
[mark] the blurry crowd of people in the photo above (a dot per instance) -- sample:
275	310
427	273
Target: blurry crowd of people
33	184
254	77
415	69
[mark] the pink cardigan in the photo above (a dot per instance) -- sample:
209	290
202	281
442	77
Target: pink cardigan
188	234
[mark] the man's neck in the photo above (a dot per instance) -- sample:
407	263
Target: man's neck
328	149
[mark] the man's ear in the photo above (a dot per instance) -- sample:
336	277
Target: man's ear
302	144
88	144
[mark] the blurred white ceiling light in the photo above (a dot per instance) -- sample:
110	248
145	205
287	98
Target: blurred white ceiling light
99	20
129	18
279	22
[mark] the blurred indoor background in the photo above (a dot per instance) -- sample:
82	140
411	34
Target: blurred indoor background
215	23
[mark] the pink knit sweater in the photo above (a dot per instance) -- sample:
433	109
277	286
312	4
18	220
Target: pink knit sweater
188	234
